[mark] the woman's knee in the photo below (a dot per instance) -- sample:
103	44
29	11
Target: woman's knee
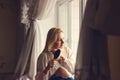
63	72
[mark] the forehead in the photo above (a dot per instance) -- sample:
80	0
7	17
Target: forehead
60	35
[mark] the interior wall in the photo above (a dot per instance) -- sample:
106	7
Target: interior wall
8	34
114	56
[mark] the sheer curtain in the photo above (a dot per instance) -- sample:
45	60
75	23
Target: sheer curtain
93	50
32	11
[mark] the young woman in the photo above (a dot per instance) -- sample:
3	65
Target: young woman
61	68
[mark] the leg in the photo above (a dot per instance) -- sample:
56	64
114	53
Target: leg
63	72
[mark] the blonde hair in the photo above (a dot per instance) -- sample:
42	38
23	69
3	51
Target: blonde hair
51	38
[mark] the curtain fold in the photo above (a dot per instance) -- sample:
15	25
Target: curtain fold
37	47
102	15
24	57
92	50
94	61
44	11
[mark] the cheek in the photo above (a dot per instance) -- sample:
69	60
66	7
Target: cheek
57	45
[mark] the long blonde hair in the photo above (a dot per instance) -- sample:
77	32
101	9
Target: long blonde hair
51	38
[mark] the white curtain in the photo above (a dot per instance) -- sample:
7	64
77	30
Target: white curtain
32	11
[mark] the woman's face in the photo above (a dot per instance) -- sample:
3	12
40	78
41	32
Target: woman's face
59	43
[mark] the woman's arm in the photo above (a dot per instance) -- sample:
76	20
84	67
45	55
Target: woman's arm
44	64
42	67
40	75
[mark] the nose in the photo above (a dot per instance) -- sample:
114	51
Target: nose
62	41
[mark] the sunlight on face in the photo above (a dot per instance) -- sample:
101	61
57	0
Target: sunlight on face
59	43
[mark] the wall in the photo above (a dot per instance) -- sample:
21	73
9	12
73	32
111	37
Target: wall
114	56
8	31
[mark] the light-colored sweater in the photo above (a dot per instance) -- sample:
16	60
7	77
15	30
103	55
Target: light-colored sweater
44	58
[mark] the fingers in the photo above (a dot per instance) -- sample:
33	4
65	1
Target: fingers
61	59
52	63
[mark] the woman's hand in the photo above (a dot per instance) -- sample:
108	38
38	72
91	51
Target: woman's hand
60	59
52	63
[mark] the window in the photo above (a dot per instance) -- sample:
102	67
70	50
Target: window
68	20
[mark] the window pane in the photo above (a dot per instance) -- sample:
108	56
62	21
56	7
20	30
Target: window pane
68	20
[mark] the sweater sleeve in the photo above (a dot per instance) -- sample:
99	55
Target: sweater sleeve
41	65
69	62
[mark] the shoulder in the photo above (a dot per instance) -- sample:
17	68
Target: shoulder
42	56
45	56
